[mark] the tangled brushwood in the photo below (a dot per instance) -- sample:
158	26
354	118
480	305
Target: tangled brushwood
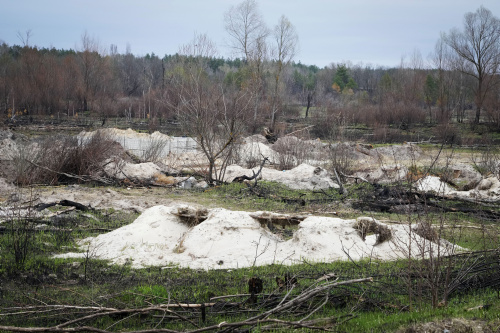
275	308
64	159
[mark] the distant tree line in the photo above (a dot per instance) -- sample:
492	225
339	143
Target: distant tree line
260	80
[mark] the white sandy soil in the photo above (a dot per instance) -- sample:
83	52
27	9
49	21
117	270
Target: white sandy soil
233	239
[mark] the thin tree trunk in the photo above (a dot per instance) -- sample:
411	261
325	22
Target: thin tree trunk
309	101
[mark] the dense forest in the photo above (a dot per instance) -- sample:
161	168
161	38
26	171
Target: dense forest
261	88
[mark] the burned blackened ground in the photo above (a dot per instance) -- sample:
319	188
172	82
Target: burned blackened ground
403	199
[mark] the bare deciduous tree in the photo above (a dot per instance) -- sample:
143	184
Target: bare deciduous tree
248	34
477	48
245	26
25	38
93	68
211	113
285	39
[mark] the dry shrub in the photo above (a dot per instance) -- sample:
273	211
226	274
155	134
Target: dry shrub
385	134
401	115
330	123
340	158
366	226
414	174
292	152
487	160
162	179
425	230
447	134
192	216
155	149
56	159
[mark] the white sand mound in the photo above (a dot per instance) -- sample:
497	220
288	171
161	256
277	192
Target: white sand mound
153	235
385	174
403	152
465	176
488	189
129	133
251	152
433	184
229	239
304	176
140	171
233	239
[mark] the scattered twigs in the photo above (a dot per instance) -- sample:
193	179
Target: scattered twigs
306	295
475	270
90	314
315	310
60	212
83	178
390	199
327	277
299	130
231	296
354	177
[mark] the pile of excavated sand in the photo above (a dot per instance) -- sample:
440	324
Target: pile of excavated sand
406	152
143	144
304	176
434	184
234	239
252	152
123	170
488	189
118	134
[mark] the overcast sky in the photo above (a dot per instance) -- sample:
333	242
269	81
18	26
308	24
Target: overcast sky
376	32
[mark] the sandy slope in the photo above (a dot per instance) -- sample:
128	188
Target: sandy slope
233	239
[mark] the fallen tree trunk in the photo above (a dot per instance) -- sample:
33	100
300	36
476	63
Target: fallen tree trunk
67	203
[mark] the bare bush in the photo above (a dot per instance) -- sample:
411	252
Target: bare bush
339	158
154	150
486	161
20	158
57	159
20	236
447	134
330	123
292	152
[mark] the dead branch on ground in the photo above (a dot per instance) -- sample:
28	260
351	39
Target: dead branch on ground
255	175
83	178
87	314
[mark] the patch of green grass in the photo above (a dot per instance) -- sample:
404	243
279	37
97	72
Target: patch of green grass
380	306
270	196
